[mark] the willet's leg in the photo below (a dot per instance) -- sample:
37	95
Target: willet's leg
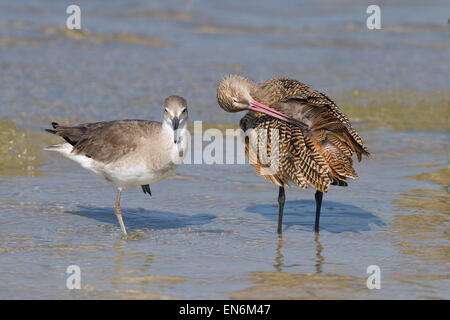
318	196
146	189
281	198
118	211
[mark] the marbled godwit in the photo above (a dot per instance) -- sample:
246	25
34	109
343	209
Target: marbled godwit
316	140
128	152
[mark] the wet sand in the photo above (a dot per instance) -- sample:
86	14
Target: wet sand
209	231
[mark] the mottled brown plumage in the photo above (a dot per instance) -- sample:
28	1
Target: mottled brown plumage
316	140
105	141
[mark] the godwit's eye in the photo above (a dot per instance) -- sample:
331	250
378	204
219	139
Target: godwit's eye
235	99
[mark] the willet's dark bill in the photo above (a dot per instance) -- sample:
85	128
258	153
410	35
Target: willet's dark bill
128	152
316	141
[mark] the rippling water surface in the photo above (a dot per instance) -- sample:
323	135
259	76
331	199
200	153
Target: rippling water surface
210	230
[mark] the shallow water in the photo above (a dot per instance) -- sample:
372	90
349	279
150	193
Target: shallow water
210	230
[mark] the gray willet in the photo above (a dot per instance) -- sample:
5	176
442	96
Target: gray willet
128	152
316	141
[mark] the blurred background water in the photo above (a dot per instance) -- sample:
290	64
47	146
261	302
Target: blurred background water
210	230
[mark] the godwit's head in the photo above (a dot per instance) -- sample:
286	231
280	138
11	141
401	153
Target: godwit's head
234	95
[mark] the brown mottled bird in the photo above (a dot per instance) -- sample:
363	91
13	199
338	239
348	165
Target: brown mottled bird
293	134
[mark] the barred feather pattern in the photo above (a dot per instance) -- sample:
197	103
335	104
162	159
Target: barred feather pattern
298	159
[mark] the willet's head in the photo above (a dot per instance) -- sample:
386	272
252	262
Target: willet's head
175	112
233	93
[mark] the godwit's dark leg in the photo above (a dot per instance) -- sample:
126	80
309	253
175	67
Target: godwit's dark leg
146	189
318	196
281	198
118	211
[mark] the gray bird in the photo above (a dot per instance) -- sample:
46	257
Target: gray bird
128	152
